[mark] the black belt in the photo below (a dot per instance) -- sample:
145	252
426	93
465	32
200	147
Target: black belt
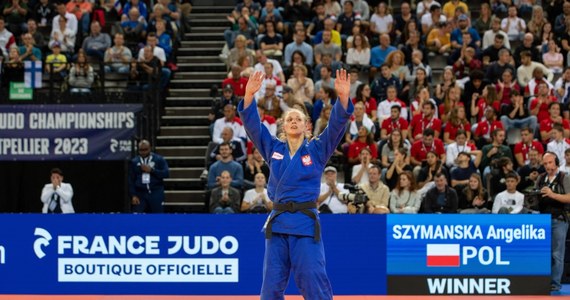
292	207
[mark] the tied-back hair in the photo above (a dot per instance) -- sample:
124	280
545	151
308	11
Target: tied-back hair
469	192
454	118
283	136
412	180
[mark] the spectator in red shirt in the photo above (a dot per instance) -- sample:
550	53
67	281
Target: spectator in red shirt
554	110
488	99
395	121
506	87
523	147
457	120
363	95
421	148
425	121
533	86
451	99
483	129
539	105
236	81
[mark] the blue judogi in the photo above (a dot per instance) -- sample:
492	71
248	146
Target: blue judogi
292	245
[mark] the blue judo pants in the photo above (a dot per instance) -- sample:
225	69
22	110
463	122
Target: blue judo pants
302	255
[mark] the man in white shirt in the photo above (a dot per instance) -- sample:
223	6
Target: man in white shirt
56	195
489	36
525	70
328	201
509	201
260	65
229	120
71	19
460	145
559	144
514	26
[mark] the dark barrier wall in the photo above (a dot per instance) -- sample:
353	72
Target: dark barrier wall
98	186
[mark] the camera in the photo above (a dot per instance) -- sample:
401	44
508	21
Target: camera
532	199
356	195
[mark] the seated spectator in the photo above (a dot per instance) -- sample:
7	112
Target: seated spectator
271	13
553	59
507	87
326	96
226	163
397	65
465	167
225	199
229	120
267	120
380	85
426	120
243	28
38	37
562	91
496	69
539	105
381	21
269	80
238	151
82	11
364	139
15	13
360	171
473	197
240	50
395	121
359	54
489	98
327	47
145	72
140	6
271	42
272	103
378	194
414	66
7	39
495	151
170	14
27	51
329	198
555	117
399	163
328	25
439	39
298	44
360	118
135	27
303	87
363	92
43	13
97	42
431	166
81	75
327	61
391	100
13	68
117	58
237	82
404	199
432	18
451	99
458	33
428	143
63	35
513	25
559	144
218	105
262	60
297	10
256	199
56	63
379	53
354	83
526	70
401	20
323	121
418	91
474	86
440	199
527	45
448	82
164	39
254	7
525	171
253	166
466	62
491	53
483	130
71	20
317	23
346	20
326	78
457	121
451	6
461	144
413	42
509	201
527	143
489	37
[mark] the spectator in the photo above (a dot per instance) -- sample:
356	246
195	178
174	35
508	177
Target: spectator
431	166
147	172
346	20
271	13
482	130
7	39
317	23
451	6
379	53
489	36
560	25
401	20
399	163
529	172
527	45
491	53
256	200
428	143
267	120
229	120
426	120
27	51
359	55
526	69
423	7
240	50
363	139
527	143
140	6
271	43
465	166
377	192
485	21
71	20
56	63
391	100
362	9
332	7
237	82
513	25
325	96
327	47
63	35
495	150
297	10
466	62
96	43
354	83
39	39
254	7
457	121
540	104
262	60
417	85
227	136
412	43
242	29
57	195
441	198
461	144
360	171
507	87
329	198
303	87
509	201
145	71
397	65
226	163
555	117
15	13
439	39
225	199
473	198
43	13
395	121
271	103
329	25
553	59
562	91
254	165
431	19
404	198
381	21
134	27
463	27
363	95
558	144
516	114
13	68
82	11
326	78
322	122
380	85
117	58
298	44
164	39
537	21
451	99
81	75
360	118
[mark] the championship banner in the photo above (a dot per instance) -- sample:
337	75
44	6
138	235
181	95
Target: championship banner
67	132
468	254
196	254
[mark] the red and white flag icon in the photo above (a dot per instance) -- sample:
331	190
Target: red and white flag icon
442	255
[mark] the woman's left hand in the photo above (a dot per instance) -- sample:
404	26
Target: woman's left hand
342	86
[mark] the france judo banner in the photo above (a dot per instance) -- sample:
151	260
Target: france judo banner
67	132
202	254
468	254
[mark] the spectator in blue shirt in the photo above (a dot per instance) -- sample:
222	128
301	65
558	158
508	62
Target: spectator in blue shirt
28	51
457	33
379	53
139	5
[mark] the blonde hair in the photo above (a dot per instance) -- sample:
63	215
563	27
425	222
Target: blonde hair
283	136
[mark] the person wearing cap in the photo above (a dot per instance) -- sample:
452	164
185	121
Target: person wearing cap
463	26
450	7
57	195
57	61
297	165
329	199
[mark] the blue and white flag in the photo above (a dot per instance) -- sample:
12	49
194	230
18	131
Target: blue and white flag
33	74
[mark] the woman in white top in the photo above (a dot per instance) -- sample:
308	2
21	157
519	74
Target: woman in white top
381	21
256	199
303	87
60	33
332	8
404	198
360	171
360	53
553	59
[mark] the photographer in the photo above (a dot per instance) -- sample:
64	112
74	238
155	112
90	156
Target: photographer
377	193
329	200
555	201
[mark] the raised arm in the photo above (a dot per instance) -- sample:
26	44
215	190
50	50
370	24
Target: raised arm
253	85
342	86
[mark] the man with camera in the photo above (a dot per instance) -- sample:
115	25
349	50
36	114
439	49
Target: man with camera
330	200
554	186
376	192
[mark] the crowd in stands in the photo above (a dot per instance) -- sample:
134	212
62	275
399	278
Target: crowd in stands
462	139
79	41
